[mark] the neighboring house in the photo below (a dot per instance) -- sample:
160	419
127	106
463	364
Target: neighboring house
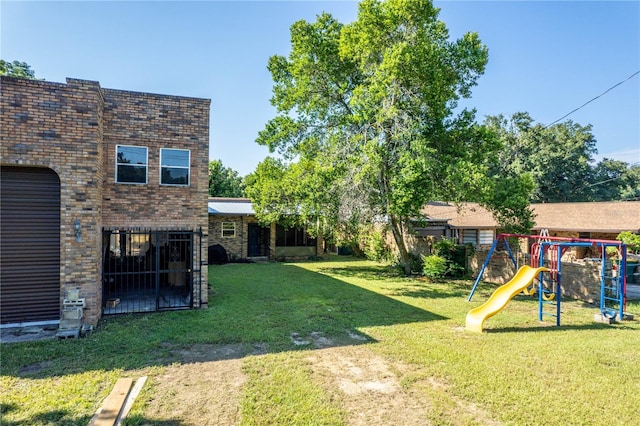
468	224
601	220
234	227
472	223
102	191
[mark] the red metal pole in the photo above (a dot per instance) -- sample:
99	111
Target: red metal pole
572	240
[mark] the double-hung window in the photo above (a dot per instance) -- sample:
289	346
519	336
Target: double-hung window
131	164
228	229
174	166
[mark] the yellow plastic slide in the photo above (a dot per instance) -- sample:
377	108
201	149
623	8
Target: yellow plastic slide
500	297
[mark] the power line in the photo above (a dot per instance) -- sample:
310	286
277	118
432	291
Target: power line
615	178
588	102
604	181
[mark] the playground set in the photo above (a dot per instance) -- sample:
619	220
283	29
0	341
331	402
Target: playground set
545	265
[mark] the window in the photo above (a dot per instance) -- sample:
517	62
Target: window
174	166
469	236
477	236
293	237
228	229
131	164
485	236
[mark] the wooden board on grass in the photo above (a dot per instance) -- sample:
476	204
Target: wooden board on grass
108	414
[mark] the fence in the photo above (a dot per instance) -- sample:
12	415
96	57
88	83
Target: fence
146	270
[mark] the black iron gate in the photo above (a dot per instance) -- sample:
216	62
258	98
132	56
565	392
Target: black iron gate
146	270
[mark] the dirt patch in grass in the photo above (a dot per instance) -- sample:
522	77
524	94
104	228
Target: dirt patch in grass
206	388
198	393
368	387
378	391
210	352
33	369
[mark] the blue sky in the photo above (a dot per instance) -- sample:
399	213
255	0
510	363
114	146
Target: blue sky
546	58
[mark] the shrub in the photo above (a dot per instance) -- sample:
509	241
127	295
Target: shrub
435	267
375	247
417	263
444	247
454	254
631	240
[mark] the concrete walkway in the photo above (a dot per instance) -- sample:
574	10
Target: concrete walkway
28	333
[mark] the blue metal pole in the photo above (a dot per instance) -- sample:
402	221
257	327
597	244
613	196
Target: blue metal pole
603	282
622	279
513	259
484	265
558	290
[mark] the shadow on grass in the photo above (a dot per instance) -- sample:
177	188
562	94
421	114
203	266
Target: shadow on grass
65	417
53	417
255	309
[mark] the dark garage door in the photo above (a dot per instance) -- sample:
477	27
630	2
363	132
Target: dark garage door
29	244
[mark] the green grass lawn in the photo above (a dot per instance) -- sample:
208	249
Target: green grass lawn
520	371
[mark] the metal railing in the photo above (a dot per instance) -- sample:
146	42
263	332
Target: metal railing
147	270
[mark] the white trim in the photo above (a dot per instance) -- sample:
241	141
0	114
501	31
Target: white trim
146	166
188	168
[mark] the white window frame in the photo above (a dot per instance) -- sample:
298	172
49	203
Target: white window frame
188	167
228	227
146	165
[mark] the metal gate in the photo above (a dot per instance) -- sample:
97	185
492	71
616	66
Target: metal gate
146	270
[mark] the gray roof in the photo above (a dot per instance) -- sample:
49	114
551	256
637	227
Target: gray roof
231	206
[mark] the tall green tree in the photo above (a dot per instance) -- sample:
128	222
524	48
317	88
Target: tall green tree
16	69
367	109
224	181
613	180
631	180
558	157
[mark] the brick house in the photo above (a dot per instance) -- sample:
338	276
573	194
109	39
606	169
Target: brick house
233	226
472	223
102	191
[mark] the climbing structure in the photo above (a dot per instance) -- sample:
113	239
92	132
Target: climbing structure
548	251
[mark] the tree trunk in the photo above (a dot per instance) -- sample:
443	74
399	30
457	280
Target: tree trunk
398	236
385	190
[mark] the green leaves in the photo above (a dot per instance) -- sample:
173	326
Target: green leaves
223	181
631	240
365	118
16	69
559	159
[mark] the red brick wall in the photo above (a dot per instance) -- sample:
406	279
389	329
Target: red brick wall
58	126
155	122
73	129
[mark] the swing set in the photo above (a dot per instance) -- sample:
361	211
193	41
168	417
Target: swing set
548	251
